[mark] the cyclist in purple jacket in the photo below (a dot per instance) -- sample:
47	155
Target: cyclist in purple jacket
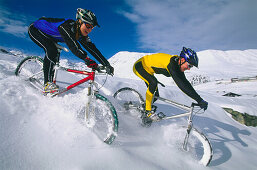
47	32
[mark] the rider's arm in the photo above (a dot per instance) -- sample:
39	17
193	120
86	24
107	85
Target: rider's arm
181	81
91	48
67	31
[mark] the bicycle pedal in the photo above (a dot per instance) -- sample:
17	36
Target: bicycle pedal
50	93
54	91
31	79
161	115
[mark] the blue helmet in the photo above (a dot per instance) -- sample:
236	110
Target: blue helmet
190	56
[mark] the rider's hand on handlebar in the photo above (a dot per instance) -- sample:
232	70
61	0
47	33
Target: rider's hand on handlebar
109	70
203	104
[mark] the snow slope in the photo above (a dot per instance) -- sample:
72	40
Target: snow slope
37	132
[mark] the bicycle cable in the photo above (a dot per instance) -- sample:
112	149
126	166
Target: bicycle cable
196	112
103	83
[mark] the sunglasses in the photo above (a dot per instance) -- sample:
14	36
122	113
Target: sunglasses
189	65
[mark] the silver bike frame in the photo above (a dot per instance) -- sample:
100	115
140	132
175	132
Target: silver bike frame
178	105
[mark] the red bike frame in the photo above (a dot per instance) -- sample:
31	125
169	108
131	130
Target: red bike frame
90	76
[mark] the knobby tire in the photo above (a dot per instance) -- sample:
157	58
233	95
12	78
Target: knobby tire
102	117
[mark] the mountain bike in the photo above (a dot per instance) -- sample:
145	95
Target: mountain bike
194	142
98	113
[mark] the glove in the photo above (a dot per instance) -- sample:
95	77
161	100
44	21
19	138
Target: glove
109	70
91	63
203	104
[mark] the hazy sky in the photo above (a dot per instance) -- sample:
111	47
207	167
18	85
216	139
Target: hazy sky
164	25
142	25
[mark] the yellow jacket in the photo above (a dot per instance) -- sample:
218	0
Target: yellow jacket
157	63
168	65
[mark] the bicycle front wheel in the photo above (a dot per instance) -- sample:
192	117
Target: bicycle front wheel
129	99
102	118
198	145
30	69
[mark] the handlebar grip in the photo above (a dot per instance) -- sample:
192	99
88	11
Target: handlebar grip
101	67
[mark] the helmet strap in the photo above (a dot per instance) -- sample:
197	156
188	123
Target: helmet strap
180	62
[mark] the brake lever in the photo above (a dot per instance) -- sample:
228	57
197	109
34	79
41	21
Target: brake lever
105	70
100	69
196	104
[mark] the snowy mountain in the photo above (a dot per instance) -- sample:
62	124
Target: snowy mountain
37	132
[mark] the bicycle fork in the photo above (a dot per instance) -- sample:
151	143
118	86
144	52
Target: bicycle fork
189	128
90	95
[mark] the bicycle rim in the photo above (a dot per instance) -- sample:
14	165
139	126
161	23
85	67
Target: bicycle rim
101	117
30	70
199	147
129	99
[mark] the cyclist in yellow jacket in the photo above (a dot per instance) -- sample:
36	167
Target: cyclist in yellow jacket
170	66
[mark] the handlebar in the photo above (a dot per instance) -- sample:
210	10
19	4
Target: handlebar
103	70
100	70
194	104
198	105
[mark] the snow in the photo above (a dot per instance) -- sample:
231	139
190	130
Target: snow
38	132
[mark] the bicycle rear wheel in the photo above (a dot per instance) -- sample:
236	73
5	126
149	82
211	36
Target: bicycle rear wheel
130	99
102	118
198	145
30	69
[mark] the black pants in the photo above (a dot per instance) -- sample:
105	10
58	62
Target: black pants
152	81
51	52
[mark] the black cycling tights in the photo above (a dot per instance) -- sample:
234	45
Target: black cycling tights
51	53
151	80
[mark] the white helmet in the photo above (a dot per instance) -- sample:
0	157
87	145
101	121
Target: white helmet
87	16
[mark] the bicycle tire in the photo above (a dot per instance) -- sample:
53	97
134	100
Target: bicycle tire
199	146
30	69
102	118
129	98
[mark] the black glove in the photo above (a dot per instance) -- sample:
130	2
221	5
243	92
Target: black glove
203	104
91	63
109	70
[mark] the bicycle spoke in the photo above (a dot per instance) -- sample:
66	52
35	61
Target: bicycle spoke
129	100
31	70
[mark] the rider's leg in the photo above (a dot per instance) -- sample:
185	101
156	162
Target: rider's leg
51	52
50	61
156	93
54	74
150	80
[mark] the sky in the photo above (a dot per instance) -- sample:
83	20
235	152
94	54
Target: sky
141	25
